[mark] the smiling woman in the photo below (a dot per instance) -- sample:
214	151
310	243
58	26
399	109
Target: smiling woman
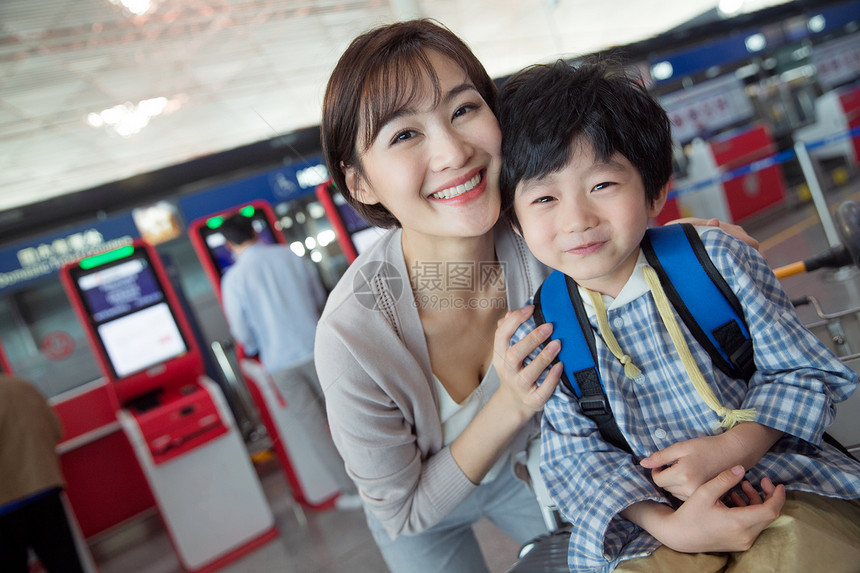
426	402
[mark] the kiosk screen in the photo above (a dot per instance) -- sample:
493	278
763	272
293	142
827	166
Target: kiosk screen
131	315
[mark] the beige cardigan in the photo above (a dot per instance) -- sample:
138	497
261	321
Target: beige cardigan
29	432
374	368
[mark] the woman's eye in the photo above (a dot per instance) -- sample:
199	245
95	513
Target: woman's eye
404	135
464	109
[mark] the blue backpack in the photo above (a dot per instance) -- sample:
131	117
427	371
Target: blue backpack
697	291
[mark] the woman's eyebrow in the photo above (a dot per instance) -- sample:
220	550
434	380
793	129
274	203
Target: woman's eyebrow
410	109
457	90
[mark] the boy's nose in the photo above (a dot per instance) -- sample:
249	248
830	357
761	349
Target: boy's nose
576	216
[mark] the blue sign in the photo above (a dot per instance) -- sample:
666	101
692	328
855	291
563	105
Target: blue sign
716	53
276	186
28	261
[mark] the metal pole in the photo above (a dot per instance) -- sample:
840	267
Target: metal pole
816	193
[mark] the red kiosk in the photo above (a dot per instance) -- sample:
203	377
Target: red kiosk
353	233
177	420
310	482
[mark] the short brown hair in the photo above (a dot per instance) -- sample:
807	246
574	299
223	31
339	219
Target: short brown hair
379	74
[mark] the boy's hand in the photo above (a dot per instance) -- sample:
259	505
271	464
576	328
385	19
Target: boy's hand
703	523
520	382
682	468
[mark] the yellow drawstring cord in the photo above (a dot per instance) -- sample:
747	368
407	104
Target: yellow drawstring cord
729	417
630	370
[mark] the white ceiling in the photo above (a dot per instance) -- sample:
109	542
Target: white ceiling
234	72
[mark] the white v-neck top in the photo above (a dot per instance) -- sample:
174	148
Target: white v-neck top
455	417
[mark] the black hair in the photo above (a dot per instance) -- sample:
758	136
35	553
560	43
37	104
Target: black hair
546	110
238	229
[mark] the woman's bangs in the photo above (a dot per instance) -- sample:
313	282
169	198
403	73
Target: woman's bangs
395	85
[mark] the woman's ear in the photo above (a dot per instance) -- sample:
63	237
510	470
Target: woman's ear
357	189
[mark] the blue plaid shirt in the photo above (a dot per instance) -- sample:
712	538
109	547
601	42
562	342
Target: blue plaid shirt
797	382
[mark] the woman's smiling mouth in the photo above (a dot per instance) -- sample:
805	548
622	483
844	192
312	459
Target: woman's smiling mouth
452	192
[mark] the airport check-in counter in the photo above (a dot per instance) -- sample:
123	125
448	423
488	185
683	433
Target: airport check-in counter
176	419
836	112
737	198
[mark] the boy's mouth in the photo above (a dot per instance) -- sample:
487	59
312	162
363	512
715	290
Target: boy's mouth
452	192
586	249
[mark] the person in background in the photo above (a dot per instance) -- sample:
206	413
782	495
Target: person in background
32	515
587	156
430	408
272	299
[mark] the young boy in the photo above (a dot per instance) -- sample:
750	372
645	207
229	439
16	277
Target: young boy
586	163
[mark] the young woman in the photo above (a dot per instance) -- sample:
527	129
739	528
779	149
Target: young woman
428	404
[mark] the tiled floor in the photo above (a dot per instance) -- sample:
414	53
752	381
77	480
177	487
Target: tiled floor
309	541
339	541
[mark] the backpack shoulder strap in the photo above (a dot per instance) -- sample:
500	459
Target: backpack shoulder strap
557	301
701	297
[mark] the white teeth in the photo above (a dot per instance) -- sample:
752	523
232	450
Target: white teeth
459	189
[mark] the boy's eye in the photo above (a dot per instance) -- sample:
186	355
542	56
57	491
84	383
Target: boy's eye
544	199
603	185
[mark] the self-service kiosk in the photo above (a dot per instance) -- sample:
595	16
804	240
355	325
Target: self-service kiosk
178	422
311	484
353	233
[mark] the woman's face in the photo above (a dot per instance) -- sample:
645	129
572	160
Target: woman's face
435	166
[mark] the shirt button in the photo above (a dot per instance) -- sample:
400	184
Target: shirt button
660	433
618	321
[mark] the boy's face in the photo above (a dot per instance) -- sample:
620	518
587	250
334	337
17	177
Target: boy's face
587	219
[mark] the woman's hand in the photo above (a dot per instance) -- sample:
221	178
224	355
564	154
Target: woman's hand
523	384
519	396
735	231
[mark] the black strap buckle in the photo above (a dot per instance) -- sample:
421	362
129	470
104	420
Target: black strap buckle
593	406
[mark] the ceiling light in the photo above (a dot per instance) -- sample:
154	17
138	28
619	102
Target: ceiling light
755	43
128	119
136	7
662	71
730	7
816	23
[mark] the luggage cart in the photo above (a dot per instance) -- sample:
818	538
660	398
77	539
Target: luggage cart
840	331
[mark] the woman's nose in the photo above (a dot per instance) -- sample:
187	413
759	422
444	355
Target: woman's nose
449	150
